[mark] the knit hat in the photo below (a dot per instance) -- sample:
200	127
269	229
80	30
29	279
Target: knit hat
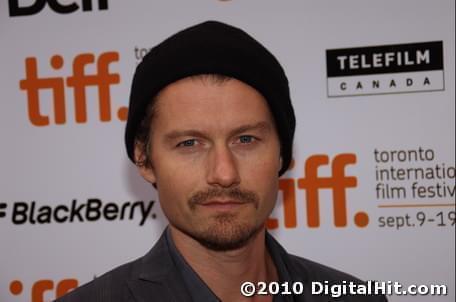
213	47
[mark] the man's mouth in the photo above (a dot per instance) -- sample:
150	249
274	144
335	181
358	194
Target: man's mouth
222	205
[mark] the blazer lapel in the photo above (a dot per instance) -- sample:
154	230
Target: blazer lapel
156	277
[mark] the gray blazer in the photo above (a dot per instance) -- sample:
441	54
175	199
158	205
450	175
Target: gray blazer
154	277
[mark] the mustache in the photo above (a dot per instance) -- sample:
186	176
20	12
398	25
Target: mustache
243	196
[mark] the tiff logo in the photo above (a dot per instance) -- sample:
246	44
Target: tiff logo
102	79
312	183
42	288
36	6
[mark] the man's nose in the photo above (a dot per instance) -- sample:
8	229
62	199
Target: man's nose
222	167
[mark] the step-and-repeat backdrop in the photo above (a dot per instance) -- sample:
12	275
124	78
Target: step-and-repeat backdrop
372	83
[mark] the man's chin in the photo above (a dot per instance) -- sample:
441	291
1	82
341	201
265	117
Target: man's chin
223	233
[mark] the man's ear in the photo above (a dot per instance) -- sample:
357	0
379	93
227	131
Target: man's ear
145	168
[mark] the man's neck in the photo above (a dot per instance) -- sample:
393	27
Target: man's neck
224	272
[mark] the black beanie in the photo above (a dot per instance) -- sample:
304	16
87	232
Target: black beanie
213	48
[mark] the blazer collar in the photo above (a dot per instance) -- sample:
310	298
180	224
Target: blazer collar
155	276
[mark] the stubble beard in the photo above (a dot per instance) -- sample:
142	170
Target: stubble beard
224	231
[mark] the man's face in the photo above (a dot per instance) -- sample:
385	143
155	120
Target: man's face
215	157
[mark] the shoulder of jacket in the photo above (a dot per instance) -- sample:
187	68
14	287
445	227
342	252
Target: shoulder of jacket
311	271
315	271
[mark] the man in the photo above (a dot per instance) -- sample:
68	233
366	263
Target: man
211	127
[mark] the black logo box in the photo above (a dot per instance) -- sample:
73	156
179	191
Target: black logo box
434	48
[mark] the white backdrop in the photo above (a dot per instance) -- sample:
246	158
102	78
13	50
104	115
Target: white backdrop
52	161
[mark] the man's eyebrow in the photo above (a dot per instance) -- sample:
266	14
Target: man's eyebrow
260	126
179	133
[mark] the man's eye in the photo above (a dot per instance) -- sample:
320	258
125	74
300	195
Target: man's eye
246	139
187	143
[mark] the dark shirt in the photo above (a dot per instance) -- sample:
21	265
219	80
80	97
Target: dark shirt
199	291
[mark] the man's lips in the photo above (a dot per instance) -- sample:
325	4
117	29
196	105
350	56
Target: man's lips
222	204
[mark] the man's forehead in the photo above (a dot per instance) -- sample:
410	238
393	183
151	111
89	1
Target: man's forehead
205	93
193	104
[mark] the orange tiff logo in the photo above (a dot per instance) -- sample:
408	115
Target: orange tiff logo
338	182
79	81
42	287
